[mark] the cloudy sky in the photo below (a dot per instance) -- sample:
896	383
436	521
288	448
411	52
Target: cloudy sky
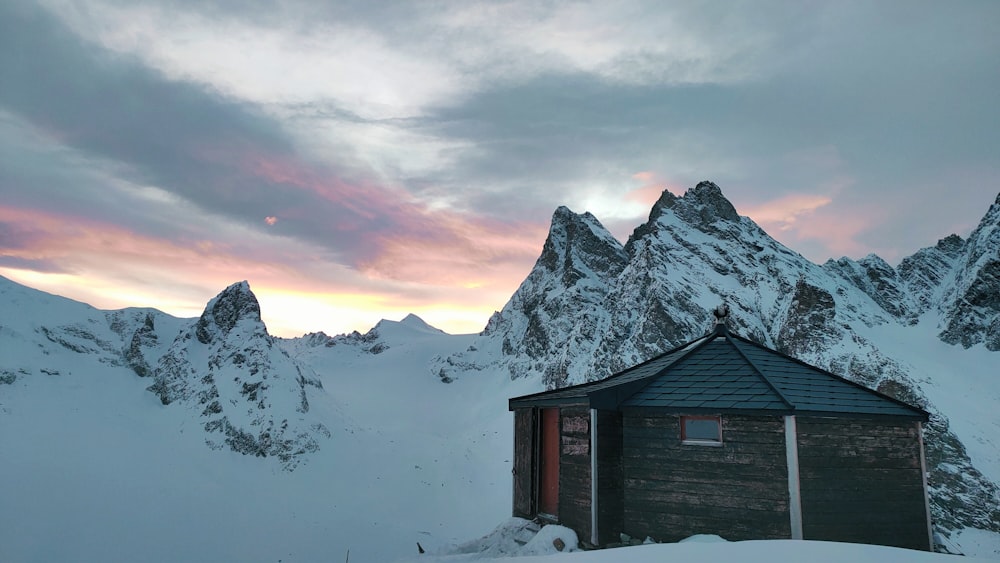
356	160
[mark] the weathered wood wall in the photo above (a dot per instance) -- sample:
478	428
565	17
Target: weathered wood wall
525	431
861	482
574	470
610	479
671	490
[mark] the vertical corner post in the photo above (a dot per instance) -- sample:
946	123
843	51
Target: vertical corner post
794	487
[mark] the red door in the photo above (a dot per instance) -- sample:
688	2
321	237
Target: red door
548	464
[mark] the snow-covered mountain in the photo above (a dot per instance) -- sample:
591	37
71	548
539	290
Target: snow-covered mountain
374	441
592	306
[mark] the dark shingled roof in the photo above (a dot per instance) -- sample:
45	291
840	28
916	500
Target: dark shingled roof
723	372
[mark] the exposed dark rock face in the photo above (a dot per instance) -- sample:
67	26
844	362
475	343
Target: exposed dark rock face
235	303
7	377
83	339
925	273
144	336
879	281
705	205
808	328
975	316
972	310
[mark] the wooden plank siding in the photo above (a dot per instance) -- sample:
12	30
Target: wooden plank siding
524	462
574	470
861	482
610	478
738	490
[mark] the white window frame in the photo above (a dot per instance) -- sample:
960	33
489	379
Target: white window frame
701	441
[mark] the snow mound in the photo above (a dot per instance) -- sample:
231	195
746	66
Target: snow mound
516	537
545	541
703	538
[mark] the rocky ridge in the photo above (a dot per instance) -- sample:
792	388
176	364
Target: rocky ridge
247	393
251	395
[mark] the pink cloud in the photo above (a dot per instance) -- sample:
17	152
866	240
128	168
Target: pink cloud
270	220
466	251
466	273
401	238
783	213
362	199
797	218
651	188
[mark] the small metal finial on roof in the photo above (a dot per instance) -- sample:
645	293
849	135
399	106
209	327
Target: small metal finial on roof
721	314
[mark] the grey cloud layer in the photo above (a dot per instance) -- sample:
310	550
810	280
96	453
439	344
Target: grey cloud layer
900	94
177	136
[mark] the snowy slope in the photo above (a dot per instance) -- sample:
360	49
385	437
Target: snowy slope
97	468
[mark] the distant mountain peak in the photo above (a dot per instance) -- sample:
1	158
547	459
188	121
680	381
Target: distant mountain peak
415	321
410	321
951	245
234	303
701	207
578	243
563	213
411	318
666	201
706	198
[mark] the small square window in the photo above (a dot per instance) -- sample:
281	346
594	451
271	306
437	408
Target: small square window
703	430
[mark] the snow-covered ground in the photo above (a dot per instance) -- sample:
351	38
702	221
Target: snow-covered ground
511	543
760	551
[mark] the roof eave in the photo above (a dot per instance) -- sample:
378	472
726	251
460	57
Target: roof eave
543	402
773	412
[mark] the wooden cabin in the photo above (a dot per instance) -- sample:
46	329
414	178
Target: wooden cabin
723	436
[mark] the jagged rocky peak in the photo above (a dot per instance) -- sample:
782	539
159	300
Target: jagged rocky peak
562	294
984	242
313	339
667	200
708	200
992	216
701	205
252	396
236	302
951	245
577	243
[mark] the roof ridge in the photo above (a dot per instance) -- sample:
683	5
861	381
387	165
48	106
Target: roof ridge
641	383
760	372
692	346
622	373
840	378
